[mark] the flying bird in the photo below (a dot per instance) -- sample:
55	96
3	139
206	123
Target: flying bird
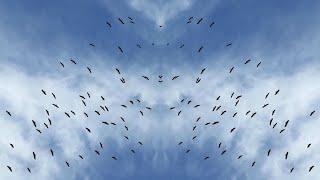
211	24
199	21
121	20
120	49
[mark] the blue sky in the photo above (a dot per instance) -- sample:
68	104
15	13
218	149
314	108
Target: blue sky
36	35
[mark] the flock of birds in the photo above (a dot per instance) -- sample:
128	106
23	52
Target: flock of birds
218	108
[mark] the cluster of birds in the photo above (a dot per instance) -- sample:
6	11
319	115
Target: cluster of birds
219	109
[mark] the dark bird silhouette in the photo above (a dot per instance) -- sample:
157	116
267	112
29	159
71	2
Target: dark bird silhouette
9	113
258	64
62	64
277	92
211	24
126	137
181	46
286	156
196	106
198	80
282	130
274	125
232	130
148	108
49	121
214	108
265	105
123	80
38	130
240	156
122	119
53	95
189	102
179	113
219	145
224	151
88	130
291	170
247	61
236	103
269	151
266	96
109	24
10	169
194	137
46	125
308	145
97	112
273	112
194	127
231	69
229	44
187	151
121	20
218	98
97	152
29	170
67	114
310	168
141	113
175	77
140	143
139	46
207	123
80	156
270	122
198	119
238	97
216	122
43	91
234	114
67	164
47	112
253	114
34	155
253	163
104	122
89	70
202	71
180	143
191	17
145	77
199	50
223	112
34	123
247	112
286	124
12	145
124	106
73	61
199	21
91	44
113	157
51	151
118	71
207	157
312	113
133	151
85	114
55	105
120	49
88	94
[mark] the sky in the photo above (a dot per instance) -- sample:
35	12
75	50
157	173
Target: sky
283	36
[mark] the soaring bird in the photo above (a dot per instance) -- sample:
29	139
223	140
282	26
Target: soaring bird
282	130
140	143
265	105
291	170
89	70
80	156
277	92
194	137
62	64
38	130
43	91
175	77
211	24
207	157
121	20
258	64
239	156
53	95
11	145
224	151
229	44
198	80
91	44
123	80
181	46
269	151
34	155
97	112
179	112
247	61
88	94
274	125
311	168
104	122
253	163
308	145
266	96
231	69
199	50
55	105
219	145
73	61
67	164
67	114
29	170
9	113
253	114
10	169
232	130
118	71
115	158
234	114
120	49
196	106
88	130
312	113
180	143
34	123
216	122
109	24
286	155
145	77
188	150
273	112
97	152
51	151
199	21
133	151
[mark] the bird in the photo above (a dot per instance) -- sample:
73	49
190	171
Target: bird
269	151
194	137
253	114
216	122
224	151
91	44
38	130
312	113
141	113
54	96
118	71
175	77
145	77
282	130
219	145
211	24
11	145
198	80
270	122
80	156
97	112
207	157
34	155
199	50
229	44
140	143
88	130
89	70
29	170
122	80
133	151
88	94
253	163
181	46
310	168
51	151
202	71
265	105
218	98
67	114
194	127
120	49
130	18
199	21
34	123
277	92
308	145
274	125
46	125
124	106
247	61
97	152
234	114
196	106
273	112
67	164
113	157
239	156
179	112
9	113
223	112
266	96
55	105
291	170
73	61
121	20
10	169
286	155
232	130
188	150
44	92
258	64
231	69
180	143
109	24
61	64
